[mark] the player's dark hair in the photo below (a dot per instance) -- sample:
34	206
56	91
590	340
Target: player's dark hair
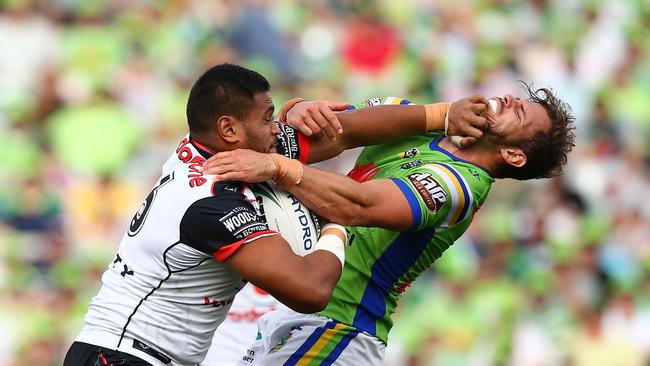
546	151
223	90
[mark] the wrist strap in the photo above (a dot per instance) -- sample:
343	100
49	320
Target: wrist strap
333	239
435	115
447	119
288	172
287	106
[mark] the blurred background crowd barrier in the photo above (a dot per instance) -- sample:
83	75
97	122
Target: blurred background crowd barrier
552	272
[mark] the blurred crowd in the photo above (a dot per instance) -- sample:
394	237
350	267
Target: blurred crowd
552	272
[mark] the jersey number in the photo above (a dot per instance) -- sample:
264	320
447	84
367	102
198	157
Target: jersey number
138	220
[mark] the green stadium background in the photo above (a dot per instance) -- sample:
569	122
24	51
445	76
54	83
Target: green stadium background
552	272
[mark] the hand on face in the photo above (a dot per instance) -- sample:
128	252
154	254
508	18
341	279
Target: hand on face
468	119
313	117
241	165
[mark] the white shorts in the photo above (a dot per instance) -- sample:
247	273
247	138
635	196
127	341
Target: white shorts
289	338
235	334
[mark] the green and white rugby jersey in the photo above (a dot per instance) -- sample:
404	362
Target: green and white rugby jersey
443	192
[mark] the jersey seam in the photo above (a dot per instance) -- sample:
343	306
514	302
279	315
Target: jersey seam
169	274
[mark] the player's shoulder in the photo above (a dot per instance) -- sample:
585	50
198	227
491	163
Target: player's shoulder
224	199
190	177
462	177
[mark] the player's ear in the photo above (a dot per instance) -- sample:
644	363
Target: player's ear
514	156
228	128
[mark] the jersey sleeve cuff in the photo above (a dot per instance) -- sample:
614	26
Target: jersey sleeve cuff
304	144
416	214
225	252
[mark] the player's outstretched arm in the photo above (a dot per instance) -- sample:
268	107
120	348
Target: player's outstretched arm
381	123
340	199
304	284
375	203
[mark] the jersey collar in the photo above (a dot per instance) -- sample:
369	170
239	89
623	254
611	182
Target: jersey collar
435	145
202	149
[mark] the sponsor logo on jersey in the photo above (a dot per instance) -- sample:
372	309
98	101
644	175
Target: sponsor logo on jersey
288	142
241	222
232	187
248	316
429	189
304	222
216	303
474	173
410	153
184	153
412	164
282	342
372	102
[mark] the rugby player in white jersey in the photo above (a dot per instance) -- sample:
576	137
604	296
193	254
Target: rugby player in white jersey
164	294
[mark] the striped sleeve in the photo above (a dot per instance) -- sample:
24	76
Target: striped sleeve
380	101
292	143
438	194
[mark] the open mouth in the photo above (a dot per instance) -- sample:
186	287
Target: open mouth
494	105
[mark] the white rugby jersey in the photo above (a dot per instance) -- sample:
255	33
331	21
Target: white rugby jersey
164	294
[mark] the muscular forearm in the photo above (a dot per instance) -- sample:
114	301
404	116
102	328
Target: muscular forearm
375	125
336	197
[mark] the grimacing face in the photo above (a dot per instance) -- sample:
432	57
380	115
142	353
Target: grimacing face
515	120
259	129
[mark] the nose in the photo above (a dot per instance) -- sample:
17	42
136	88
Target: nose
275	130
510	101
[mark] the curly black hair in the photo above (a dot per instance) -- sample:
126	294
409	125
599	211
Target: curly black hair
546	151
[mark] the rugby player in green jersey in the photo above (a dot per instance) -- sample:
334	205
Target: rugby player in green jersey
405	202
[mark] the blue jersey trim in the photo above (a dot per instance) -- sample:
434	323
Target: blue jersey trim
434	145
416	214
463	187
386	271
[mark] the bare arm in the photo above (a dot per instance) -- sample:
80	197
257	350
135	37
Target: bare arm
370	126
375	203
382	123
336	197
304	284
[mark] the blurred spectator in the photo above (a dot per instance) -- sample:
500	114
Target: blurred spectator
591	346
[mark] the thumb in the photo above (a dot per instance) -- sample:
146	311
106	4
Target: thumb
466	141
338	106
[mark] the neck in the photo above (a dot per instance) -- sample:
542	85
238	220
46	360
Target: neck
480	153
211	146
